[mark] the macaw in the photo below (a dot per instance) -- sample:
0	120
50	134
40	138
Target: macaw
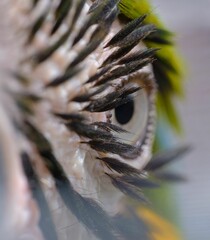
80	84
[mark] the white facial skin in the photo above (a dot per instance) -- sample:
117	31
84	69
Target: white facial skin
85	173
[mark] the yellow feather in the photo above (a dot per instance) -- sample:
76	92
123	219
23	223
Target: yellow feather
134	8
160	228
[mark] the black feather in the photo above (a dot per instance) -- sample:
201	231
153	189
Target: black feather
34	3
128	189
96	16
124	70
37	26
90	131
116	147
118	54
87	96
45	222
109	127
118	166
138	55
61	13
95	5
131	226
125	31
23	79
46	53
112	100
162	159
99	74
25	102
136	35
170	177
139	181
63	78
70	116
78	9
96	38
160	36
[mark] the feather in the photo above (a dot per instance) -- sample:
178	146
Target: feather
162	159
45	223
118	166
170	177
109	127
61	13
116	147
131	226
128	189
124	70
129	28
111	100
90	131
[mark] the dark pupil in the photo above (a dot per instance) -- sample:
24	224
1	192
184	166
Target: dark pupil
124	113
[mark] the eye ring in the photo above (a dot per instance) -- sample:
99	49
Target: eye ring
140	125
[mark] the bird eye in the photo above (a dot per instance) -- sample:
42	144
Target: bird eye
132	116
125	112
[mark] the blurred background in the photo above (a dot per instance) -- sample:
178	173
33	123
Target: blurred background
190	20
